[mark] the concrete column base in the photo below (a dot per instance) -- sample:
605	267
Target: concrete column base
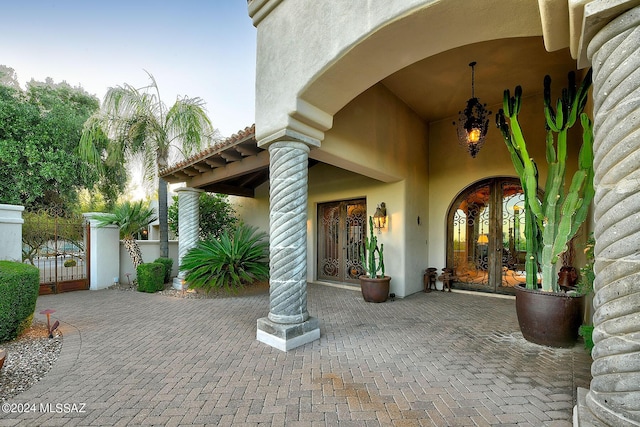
177	283
582	415
287	337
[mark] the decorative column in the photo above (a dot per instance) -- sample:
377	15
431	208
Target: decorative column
288	324
188	226
612	31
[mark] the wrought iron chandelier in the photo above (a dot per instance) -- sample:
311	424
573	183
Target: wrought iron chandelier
473	121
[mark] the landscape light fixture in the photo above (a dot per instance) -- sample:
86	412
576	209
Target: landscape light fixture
473	121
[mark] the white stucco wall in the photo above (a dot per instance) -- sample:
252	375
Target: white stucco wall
378	136
104	261
254	210
357	43
150	252
376	150
11	232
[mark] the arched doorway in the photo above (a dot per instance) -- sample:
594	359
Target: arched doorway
485	236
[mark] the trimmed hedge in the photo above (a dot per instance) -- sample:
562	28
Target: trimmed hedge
168	265
150	277
19	287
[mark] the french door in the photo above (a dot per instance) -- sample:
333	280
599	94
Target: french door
486	240
341	232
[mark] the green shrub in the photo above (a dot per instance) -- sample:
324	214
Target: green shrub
150	277
228	262
168	265
70	263
19	287
217	215
586	332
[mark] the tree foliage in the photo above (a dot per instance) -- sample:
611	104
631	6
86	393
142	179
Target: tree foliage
130	218
135	122
39	133
216	215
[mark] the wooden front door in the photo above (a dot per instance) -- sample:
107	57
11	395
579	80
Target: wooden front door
341	232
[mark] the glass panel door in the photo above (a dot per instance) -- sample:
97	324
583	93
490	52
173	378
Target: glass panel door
471	237
329	242
341	231
356	224
513	238
486	240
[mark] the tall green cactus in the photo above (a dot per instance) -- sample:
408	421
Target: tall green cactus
552	222
370	263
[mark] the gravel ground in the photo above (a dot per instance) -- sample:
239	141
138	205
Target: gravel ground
29	358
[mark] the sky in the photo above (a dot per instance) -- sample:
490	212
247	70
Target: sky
194	48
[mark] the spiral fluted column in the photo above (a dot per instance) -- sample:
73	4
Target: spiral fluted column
188	225
288	324
614	52
288	231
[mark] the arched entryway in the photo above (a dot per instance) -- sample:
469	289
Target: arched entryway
485	236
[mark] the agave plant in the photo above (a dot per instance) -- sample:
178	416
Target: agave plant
130	218
552	222
229	262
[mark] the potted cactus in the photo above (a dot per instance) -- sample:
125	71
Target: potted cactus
548	315
374	286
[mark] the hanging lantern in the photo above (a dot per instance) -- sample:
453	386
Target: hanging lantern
473	121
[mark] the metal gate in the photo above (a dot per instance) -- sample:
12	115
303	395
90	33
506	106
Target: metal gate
57	243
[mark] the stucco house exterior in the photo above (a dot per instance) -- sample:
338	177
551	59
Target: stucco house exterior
355	106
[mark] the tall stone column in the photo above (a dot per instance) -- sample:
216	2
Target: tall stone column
288	324
188	226
614	52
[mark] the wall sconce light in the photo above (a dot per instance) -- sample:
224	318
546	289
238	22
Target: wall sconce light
473	121
380	217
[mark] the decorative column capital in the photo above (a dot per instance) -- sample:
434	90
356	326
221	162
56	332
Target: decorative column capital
597	14
188	189
289	136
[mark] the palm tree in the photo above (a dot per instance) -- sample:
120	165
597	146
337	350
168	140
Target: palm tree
134	122
131	218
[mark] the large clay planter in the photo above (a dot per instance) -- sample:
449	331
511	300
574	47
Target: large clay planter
547	318
3	355
375	289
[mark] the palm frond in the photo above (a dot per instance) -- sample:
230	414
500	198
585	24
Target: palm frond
93	138
129	217
187	122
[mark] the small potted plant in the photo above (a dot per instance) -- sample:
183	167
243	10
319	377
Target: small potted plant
374	286
548	315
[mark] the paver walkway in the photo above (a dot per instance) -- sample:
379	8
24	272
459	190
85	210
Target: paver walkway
446	359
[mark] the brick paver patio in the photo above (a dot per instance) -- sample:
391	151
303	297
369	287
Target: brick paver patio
446	359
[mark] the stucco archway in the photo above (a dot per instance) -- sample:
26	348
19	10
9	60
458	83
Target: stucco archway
410	36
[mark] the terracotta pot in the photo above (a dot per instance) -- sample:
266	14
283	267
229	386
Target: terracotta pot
375	289
548	318
3	355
